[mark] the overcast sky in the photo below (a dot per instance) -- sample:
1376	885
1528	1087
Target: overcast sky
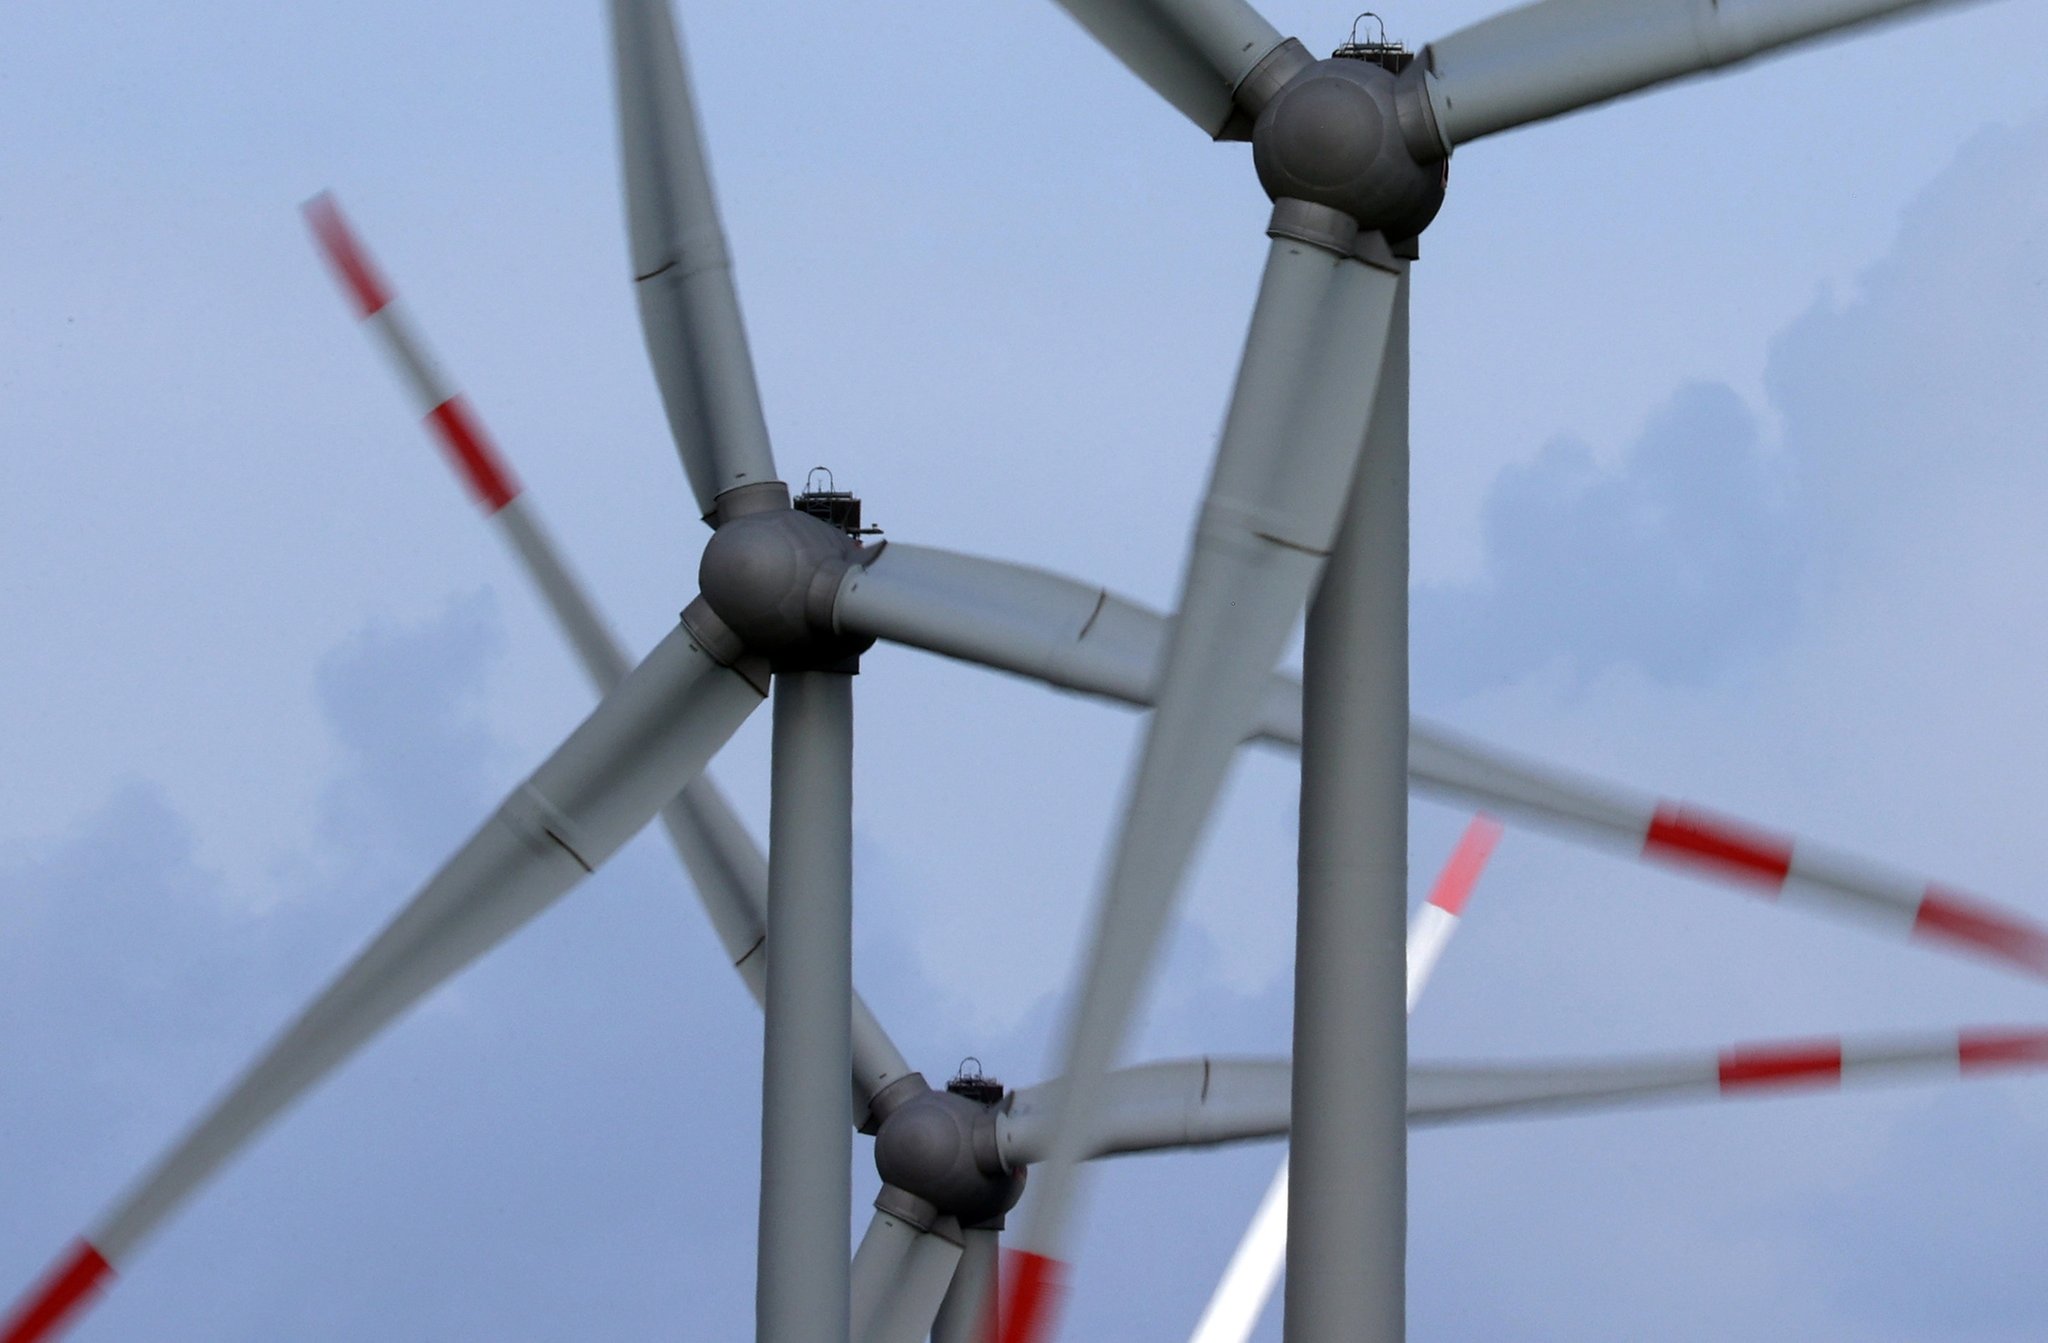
1728	483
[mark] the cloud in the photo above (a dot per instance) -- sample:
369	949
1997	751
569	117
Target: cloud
557	1088
1870	677
1678	560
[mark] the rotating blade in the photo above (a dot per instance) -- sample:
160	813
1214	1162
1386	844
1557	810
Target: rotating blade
1176	1104
1080	637
1029	622
900	1277
1555	56
726	866
1254	1269
968	1313
605	782
682	271
1290	446
1443	1093
1194	53
1786	870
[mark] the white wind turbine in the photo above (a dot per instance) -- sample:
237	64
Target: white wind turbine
917	1269
906	1273
788	596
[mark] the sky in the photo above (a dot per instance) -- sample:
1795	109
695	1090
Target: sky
1727	484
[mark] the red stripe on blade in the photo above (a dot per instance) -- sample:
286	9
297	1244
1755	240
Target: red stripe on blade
2002	1049
346	255
1454	885
482	469
1033	1285
1816	1064
1954	918
1688	836
70	1285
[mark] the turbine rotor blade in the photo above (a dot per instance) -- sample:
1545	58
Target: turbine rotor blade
1194	53
682	269
1290	445
1152	1107
968	1313
1080	637
52	1304
901	1271
877	1264
1788	871
1254	1270
1430	929
1174	1104
439	402
726	866
900	1276
605	782
1446	1093
1555	56
1029	622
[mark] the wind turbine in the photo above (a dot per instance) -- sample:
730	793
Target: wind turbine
1309	496
911	1252
791	601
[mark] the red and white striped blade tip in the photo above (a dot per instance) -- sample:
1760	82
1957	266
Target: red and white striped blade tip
1032	1287
75	1280
352	265
1822	1062
1454	884
1735	851
461	434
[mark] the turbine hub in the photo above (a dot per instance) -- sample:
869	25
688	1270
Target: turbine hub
773	578
1336	136
940	1147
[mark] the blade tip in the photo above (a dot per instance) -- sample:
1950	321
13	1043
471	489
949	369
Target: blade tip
68	1288
1035	1284
1461	874
338	242
2001	1049
1958	919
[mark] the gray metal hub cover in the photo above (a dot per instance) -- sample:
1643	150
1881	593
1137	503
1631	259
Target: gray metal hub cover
927	1147
1333	137
772	577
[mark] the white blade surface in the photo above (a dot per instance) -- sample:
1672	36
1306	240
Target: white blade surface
1290	445
1555	56
900	1276
1254	1269
1443	1093
1786	870
1193	53
726	866
1029	622
1077	636
649	737
1202	1102
682	270
968	1314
